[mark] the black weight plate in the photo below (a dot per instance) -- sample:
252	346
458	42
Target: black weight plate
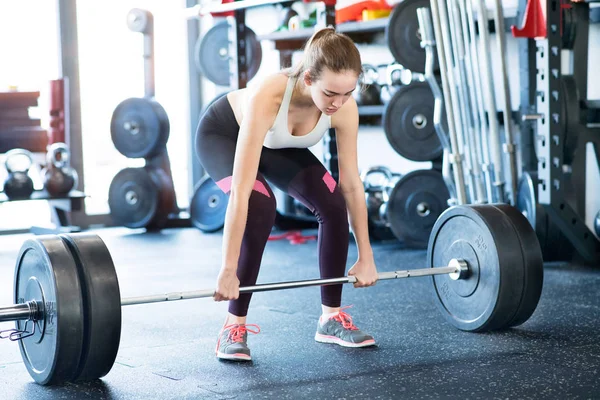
404	37
46	273
408	123
533	265
133	198
570	119
212	54
485	238
208	206
555	246
568	28
139	128
528	205
415	203
101	302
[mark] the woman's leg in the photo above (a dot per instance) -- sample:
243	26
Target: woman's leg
299	173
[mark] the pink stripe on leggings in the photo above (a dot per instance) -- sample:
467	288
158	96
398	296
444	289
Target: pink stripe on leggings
329	181
225	185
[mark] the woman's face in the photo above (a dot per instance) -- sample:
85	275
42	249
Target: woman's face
332	89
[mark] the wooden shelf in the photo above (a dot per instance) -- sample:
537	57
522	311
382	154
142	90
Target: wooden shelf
359	31
44	195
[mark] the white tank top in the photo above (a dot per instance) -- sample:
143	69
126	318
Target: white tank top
278	137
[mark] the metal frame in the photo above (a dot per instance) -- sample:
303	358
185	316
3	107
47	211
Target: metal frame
196	105
69	69
551	140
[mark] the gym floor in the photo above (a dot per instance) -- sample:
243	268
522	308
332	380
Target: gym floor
167	349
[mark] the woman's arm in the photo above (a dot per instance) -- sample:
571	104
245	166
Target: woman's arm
258	119
345	122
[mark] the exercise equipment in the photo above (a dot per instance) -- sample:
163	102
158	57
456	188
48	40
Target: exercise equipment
554	244
484	262
367	91
404	37
378	182
18	185
59	177
415	203
408	123
139	128
141	197
570	121
208	206
212	54
141	21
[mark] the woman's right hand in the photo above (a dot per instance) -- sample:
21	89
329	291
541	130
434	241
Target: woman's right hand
228	286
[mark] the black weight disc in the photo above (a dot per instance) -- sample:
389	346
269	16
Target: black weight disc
408	123
533	265
483	236
555	246
133	198
528	205
570	117
212	54
208	206
102	304
415	203
404	37
46	273
139	128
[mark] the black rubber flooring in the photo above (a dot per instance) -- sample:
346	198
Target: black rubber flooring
167	349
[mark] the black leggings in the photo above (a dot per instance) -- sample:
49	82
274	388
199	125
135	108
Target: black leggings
295	171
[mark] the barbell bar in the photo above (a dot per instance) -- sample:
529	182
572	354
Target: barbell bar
68	305
457	269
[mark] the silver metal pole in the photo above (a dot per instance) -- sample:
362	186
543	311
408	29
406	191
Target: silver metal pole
459	55
456	267
15	312
468	65
475	68
509	148
488	87
428	43
447	82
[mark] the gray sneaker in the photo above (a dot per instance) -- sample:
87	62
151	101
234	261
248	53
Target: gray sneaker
340	329
232	342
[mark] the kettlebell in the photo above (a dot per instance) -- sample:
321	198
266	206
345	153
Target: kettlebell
59	178
375	191
395	76
18	184
367	88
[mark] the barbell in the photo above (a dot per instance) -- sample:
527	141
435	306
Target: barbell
484	261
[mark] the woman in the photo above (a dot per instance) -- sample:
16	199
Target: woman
262	133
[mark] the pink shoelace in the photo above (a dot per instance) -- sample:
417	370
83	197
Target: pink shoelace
345	319
237	331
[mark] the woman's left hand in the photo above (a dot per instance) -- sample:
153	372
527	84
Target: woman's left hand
365	273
